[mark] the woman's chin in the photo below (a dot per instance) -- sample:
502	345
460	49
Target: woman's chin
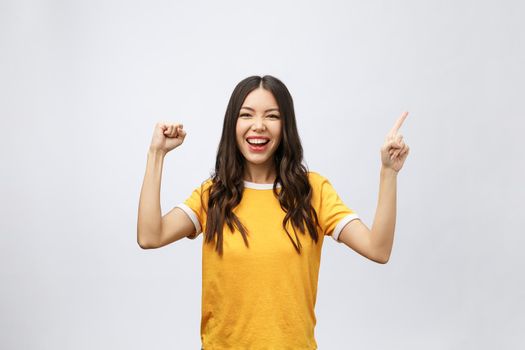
257	159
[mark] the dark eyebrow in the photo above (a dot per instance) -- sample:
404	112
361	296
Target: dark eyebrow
268	110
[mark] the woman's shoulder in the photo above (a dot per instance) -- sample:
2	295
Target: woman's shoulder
315	175
206	184
315	178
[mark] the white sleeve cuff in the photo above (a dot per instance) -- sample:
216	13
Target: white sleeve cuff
193	217
341	225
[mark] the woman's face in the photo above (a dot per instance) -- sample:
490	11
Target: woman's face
259	119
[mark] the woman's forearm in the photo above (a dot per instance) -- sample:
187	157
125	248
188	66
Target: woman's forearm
149	223
385	219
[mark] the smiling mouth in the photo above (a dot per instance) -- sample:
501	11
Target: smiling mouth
258	144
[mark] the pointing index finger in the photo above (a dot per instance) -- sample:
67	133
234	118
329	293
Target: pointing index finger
398	123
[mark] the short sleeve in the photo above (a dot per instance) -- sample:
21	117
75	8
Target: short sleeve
194	207
333	213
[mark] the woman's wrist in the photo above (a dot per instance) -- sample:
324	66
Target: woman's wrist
152	152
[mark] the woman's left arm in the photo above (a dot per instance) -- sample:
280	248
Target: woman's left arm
376	244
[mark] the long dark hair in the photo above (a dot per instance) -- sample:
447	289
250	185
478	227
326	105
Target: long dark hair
227	180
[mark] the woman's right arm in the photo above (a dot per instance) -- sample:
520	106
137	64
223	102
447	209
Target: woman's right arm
153	230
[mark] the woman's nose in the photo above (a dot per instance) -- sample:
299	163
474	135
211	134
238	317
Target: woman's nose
258	124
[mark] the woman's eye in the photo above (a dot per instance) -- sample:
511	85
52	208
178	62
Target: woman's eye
270	116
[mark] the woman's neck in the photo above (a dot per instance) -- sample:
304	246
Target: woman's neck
259	175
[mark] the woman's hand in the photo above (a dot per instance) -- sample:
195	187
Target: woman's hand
167	136
394	151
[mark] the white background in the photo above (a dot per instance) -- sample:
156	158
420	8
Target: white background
82	85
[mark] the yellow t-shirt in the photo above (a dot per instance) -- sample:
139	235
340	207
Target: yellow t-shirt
263	297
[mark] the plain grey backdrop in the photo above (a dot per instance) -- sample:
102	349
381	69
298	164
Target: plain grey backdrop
83	84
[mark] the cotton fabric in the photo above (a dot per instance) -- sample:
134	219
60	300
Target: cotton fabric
263	296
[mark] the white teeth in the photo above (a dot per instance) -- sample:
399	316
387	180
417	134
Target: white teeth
257	141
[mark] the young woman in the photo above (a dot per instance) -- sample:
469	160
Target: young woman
263	216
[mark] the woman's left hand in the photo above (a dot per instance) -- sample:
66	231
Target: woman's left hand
394	151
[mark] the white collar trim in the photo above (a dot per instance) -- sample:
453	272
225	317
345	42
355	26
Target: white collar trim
257	186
